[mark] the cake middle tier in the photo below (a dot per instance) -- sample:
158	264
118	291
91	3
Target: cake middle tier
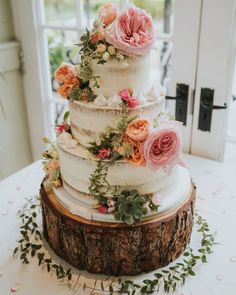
89	121
76	166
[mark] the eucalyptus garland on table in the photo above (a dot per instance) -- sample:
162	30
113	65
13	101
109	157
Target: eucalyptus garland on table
30	245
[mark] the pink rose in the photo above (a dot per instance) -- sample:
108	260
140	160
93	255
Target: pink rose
102	209
162	148
104	153
108	13
61	128
132	32
126	95
132	102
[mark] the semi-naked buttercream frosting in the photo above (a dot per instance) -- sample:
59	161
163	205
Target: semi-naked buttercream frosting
117	138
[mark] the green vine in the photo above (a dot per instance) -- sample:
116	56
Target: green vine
30	245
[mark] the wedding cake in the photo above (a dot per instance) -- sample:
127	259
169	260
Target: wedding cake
117	197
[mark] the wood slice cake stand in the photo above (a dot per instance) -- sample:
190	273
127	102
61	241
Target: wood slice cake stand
116	248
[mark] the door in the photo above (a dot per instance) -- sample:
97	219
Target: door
214	78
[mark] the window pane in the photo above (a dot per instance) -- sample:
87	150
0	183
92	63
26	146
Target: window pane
60	47
91	8
160	59
61	12
161	11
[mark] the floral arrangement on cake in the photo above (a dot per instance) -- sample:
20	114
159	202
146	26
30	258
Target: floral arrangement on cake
139	142
115	35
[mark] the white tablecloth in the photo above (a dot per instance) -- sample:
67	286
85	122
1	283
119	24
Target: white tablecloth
216	201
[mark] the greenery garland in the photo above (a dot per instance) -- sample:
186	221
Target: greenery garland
31	245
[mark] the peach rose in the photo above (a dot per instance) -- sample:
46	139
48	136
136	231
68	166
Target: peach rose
63	90
72	81
65	72
132	32
137	156
138	129
108	13
97	36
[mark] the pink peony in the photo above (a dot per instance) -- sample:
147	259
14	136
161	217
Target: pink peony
132	32
162	148
102	209
108	13
104	153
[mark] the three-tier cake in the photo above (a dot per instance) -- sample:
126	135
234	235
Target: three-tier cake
117	198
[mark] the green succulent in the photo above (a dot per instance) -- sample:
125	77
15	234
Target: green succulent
130	207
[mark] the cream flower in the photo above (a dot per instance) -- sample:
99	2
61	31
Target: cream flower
101	48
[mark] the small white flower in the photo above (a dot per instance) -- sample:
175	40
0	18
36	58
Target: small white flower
111	50
101	48
64	137
100	100
106	56
114	101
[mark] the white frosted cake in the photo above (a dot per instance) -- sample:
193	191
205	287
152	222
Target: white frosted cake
118	160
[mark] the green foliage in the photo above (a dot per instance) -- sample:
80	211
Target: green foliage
162	116
130	207
170	278
98	181
30	243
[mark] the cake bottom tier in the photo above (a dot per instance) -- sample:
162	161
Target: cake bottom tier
116	248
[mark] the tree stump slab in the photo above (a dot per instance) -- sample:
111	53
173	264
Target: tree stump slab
117	249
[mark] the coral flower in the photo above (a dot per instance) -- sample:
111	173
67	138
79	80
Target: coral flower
138	129
108	13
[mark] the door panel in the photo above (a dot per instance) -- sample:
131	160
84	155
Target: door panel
214	73
184	57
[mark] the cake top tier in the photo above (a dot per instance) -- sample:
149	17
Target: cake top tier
114	56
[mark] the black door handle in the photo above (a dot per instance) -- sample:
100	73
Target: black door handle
181	106
206	108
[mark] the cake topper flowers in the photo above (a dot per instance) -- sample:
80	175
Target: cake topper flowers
132	32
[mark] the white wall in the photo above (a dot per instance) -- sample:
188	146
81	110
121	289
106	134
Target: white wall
15	151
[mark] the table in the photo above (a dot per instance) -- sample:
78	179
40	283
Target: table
216	201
